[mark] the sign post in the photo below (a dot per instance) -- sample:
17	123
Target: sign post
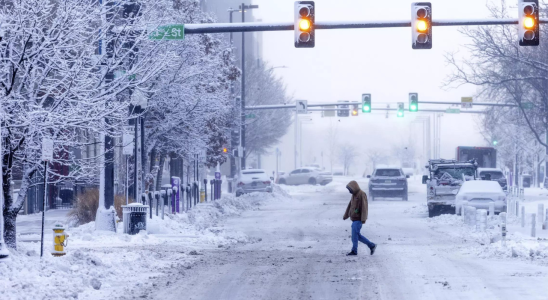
47	156
4	253
127	141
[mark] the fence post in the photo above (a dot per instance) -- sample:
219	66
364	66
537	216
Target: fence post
517	208
164	199
157	199
533	225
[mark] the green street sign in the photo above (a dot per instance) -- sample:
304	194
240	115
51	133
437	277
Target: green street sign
250	116
452	111
527	105
168	32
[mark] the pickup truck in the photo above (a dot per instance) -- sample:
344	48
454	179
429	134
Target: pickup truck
443	183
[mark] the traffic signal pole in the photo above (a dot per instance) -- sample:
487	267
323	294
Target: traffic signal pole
286	26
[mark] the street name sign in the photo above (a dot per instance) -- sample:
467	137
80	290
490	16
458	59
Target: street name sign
452	111
168	32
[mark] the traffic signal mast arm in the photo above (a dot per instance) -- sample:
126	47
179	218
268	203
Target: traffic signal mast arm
286	26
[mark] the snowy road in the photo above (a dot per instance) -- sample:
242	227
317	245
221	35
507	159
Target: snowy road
301	256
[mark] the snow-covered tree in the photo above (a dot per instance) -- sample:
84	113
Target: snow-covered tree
55	84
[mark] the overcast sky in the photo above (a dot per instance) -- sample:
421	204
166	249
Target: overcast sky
346	63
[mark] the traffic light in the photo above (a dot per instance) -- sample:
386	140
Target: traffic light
355	110
400	109
304	24
421	25
528	22
366	103
225	150
495	142
413	102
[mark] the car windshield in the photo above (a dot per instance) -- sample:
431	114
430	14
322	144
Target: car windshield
388	172
455	173
495	175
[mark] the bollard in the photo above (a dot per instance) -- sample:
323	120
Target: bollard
157	199
205	189
491	210
533	225
143	198
503	227
202	195
470	215
150	203
540	215
517	208
212	182
523	216
481	220
59	240
545	226
163	195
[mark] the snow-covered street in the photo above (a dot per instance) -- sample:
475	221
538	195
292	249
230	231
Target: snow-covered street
301	256
283	247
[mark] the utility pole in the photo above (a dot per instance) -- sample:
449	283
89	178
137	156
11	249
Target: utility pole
243	8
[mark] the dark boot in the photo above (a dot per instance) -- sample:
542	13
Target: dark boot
351	253
373	249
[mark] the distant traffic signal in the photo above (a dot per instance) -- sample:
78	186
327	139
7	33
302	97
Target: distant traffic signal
495	142
304	24
421	25
400	109
413	102
355	110
366	103
528	30
225	150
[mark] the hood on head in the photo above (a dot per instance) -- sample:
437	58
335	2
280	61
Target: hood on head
354	186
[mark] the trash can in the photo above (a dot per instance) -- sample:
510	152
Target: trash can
135	218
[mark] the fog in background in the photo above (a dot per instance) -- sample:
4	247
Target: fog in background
346	63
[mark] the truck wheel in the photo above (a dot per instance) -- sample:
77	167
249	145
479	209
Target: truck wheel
432	211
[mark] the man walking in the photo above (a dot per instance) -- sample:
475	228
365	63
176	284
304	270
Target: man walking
357	212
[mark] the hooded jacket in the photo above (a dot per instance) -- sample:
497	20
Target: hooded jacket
357	208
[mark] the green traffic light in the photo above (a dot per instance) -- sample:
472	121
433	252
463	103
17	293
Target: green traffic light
495	143
400	114
366	109
413	107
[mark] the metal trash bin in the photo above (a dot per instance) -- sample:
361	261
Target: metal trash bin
135	218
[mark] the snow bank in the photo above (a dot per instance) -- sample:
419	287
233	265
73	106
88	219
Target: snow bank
98	263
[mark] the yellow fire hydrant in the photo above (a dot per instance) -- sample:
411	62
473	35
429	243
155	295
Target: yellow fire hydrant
202	196
59	240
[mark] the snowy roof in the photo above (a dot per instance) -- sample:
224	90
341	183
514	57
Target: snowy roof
387	167
489	169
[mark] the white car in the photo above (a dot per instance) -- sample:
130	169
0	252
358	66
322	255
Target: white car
252	180
479	194
307	175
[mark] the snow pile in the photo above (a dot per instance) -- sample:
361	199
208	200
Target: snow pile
488	243
98	263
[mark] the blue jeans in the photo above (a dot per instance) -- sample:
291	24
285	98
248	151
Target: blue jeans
356	236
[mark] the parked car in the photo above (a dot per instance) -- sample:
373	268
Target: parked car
280	175
388	182
252	180
493	175
479	194
306	176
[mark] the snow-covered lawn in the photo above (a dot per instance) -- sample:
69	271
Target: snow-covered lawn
102	265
